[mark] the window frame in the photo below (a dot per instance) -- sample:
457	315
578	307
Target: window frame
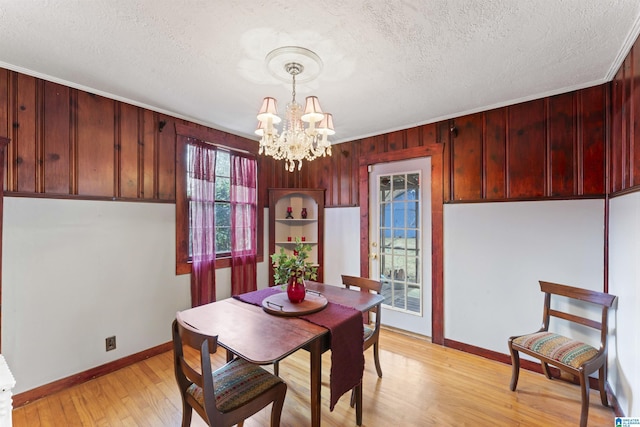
231	143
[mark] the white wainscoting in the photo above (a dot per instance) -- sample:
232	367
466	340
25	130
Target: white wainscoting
75	272
624	281
495	253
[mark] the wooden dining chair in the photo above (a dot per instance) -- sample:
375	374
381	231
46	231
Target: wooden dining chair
564	352
371	330
228	395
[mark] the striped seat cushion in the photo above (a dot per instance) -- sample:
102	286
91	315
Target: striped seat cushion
557	347
368	331
235	384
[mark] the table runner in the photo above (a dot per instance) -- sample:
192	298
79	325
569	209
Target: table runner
344	325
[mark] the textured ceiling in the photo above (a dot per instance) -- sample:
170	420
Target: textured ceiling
388	64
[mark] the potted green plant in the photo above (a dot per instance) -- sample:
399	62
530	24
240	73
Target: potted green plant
291	270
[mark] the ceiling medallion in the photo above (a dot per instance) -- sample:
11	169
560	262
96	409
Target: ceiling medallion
304	132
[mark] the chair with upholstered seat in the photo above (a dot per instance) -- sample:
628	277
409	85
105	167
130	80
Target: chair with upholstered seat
563	352
228	395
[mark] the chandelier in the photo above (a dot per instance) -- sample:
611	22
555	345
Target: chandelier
304	131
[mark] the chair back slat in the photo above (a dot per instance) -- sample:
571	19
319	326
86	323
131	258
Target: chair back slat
605	301
194	338
576	319
191	374
362	283
594	297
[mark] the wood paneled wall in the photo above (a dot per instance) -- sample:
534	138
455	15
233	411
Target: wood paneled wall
625	124
338	173
69	143
548	148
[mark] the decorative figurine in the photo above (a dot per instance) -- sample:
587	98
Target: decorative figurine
289	213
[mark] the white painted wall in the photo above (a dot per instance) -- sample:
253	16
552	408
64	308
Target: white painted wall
624	281
495	253
75	272
341	243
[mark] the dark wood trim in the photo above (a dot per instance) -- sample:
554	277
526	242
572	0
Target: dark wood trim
140	153
79	197
11	155
605	285
613	401
319	196
81	377
3	143
483	157
183	266
219	137
490	354
156	156
117	152
534	367
182	234
39	138
507	150
500	357
578	144
626	191
548	170
435	151
73	143
525	199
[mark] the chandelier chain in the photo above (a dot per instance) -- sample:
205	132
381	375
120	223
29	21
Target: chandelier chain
293	92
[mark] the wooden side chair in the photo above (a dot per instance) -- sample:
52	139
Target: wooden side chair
371	330
227	396
565	353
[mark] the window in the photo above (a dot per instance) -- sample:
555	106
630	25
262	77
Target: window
223	204
220	203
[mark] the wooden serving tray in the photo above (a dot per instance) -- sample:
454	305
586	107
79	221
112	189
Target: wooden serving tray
279	304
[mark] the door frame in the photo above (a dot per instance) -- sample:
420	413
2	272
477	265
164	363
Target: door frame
435	151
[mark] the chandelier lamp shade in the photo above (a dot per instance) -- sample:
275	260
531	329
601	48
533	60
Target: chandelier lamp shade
304	132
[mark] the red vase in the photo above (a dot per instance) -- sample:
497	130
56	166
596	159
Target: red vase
296	290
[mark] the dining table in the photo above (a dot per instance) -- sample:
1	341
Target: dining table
259	336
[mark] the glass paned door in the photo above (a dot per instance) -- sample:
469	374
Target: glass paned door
400	241
400	224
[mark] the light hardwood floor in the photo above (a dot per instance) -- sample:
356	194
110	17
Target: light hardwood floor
423	385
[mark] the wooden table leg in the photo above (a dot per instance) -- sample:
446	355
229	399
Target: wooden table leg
315	355
359	404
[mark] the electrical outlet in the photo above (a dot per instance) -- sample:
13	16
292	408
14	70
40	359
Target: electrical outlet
110	343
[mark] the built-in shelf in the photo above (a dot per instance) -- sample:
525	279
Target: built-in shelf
295	221
282	228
